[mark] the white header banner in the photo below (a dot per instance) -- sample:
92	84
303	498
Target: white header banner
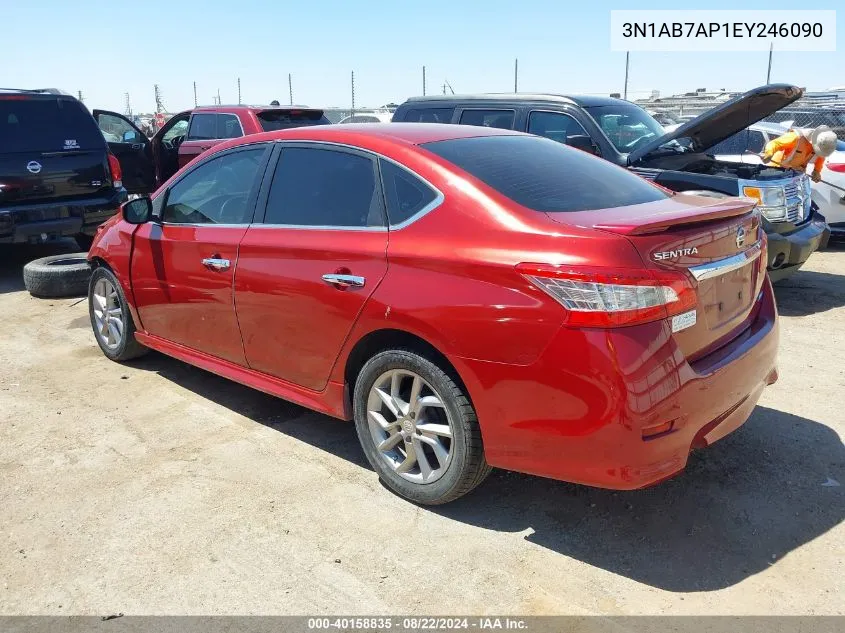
743	30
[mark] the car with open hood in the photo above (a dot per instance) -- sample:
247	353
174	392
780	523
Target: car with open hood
625	134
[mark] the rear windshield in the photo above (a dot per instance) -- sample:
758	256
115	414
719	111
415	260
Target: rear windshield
544	175
46	125
283	119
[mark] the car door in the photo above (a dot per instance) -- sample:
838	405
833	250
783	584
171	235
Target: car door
166	144
131	147
202	134
307	266
183	264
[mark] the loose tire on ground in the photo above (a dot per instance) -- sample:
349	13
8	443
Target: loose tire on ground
64	275
105	297
466	466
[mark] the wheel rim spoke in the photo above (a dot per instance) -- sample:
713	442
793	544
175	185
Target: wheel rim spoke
390	443
443	430
410	459
422	460
388	401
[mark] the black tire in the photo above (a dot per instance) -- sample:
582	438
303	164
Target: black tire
467	468
128	347
57	276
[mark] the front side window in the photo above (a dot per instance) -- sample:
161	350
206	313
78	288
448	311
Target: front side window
216	192
627	126
546	176
116	129
554	125
203	127
179	129
488	118
228	126
324	187
406	195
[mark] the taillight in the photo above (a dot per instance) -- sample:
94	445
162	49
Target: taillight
837	167
116	171
602	297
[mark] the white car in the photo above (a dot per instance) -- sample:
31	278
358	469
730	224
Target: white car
368	117
745	147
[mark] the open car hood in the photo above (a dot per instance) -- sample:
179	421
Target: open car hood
726	119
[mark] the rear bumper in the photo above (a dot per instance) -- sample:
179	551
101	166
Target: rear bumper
788	252
42	222
578	414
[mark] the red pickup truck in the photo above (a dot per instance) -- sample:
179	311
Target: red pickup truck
147	163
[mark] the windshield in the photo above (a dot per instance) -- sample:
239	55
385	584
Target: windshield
627	126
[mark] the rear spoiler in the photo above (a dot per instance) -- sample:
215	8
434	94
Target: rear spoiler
690	210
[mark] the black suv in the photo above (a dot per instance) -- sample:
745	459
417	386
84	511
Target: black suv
57	177
627	135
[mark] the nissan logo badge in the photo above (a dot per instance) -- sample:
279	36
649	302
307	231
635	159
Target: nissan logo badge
33	167
740	237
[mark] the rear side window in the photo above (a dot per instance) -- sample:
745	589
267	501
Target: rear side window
282	119
428	115
324	187
406	195
47	125
488	118
228	126
544	175
203	127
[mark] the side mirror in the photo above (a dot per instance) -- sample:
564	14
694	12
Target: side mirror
129	136
584	143
138	211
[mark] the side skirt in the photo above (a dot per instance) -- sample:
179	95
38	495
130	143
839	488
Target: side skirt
329	401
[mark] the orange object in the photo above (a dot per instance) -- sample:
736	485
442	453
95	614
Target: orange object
792	151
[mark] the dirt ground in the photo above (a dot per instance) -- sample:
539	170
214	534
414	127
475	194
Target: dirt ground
155	488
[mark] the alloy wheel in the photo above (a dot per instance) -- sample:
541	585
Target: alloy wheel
108	314
410	426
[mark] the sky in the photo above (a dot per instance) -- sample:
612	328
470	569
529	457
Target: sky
107	49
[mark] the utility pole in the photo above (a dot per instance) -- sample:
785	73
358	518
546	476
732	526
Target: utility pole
218	97
290	88
423	81
195	95
159	101
239	91
128	105
353	92
769	71
516	75
79	94
627	59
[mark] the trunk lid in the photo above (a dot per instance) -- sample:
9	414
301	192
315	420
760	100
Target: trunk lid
717	243
50	149
725	120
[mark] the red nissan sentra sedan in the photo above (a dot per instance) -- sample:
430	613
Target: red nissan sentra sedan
471	297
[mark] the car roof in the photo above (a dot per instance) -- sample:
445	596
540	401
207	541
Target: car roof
369	135
510	97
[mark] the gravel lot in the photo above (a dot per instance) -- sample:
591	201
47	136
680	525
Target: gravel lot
156	488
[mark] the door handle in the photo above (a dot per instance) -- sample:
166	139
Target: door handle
215	263
137	146
345	281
